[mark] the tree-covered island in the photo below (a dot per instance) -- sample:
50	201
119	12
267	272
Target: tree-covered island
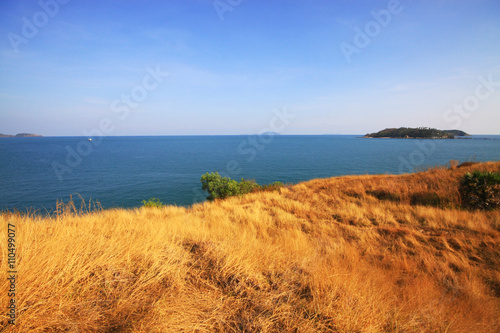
416	133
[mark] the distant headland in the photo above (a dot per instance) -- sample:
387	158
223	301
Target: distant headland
19	135
416	133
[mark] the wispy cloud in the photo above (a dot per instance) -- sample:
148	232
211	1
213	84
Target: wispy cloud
189	74
96	101
410	86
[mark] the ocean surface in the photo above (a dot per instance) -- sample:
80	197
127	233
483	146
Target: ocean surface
123	171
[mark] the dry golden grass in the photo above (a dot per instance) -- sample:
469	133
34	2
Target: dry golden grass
347	254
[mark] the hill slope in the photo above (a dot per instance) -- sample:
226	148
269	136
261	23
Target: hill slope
347	254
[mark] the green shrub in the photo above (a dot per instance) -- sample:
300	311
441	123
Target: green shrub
219	187
271	187
480	190
153	202
247	186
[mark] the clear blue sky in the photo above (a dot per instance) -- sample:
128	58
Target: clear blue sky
232	64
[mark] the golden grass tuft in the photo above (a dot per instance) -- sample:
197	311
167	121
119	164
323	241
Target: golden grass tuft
347	254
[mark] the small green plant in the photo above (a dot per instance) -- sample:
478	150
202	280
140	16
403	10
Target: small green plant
219	187
480	190
152	202
271	187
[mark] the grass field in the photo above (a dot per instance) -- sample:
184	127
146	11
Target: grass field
349	254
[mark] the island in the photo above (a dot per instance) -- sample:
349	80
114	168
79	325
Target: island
417	133
19	135
270	133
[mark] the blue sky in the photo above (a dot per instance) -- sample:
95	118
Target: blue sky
339	67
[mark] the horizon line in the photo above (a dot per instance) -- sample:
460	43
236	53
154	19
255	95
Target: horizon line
244	134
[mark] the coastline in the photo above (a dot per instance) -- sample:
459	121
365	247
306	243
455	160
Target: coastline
269	260
418	138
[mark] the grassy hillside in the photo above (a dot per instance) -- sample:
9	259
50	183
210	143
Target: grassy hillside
349	254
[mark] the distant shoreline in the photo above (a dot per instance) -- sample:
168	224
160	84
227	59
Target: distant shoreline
418	138
20	135
361	136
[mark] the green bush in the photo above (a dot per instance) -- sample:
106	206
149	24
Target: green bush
271	187
247	186
153	202
219	187
480	190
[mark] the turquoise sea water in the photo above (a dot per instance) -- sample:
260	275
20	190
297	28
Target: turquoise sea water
123	171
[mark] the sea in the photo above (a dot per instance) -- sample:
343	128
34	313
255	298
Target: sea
121	171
